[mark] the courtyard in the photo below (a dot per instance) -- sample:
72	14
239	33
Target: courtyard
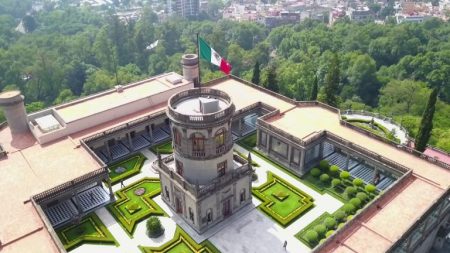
283	206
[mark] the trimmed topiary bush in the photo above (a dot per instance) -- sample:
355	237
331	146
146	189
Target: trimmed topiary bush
334	170
350	191
370	188
315	172
311	236
340	225
358	182
356	202
340	215
324	165
322	241
320	229
349	208
329	222
349	217
344	175
324	178
335	182
362	196
154	227
329	233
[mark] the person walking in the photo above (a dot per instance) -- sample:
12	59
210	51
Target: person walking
285	245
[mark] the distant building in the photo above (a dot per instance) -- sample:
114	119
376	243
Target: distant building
184	8
360	14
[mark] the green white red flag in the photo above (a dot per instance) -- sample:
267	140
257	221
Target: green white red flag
208	53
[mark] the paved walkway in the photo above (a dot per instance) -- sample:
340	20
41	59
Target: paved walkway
399	133
255	232
249	231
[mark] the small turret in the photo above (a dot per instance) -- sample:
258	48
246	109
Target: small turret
14	108
190	68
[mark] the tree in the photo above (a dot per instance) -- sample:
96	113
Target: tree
256	73
404	96
426	124
332	82
314	89
29	23
272	82
363	79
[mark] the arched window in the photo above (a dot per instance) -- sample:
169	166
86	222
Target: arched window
176	136
198	142
220	137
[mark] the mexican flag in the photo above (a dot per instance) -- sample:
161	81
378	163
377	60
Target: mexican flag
206	52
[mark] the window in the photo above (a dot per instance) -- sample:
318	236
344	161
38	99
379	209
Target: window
221	167
176	136
198	142
209	215
220	137
242	195
167	192
191	215
179	167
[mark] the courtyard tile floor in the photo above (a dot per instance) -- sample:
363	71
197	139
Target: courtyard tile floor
253	231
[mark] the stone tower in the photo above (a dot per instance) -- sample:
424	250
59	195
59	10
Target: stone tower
203	182
14	108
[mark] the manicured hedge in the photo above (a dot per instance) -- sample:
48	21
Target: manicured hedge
344	174
362	196
163	148
335	182
334	170
324	178
356	202
312	236
315	172
358	182
320	229
92	229
304	204
349	208
324	165
329	222
340	215
370	188
132	166
182	240
129	221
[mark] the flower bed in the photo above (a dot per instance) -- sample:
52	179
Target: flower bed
182	243
282	201
129	208
127	168
90	230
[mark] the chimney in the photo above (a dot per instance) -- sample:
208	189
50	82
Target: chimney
14	108
190	68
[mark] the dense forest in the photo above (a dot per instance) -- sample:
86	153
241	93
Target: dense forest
70	52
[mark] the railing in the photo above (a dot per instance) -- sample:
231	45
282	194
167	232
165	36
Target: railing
317	103
62	188
390	163
377	116
398	146
128	125
421	221
204	118
217	183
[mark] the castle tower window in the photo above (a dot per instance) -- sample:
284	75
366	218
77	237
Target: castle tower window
176	136
198	142
220	138
221	167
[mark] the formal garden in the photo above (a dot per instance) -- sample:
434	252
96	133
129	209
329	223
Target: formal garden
89	230
164	148
182	243
282	201
373	127
127	168
134	203
352	191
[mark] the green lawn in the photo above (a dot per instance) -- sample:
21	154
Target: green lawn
90	230
130	208
281	200
132	166
163	148
182	243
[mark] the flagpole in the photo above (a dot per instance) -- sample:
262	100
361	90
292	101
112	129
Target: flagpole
198	57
